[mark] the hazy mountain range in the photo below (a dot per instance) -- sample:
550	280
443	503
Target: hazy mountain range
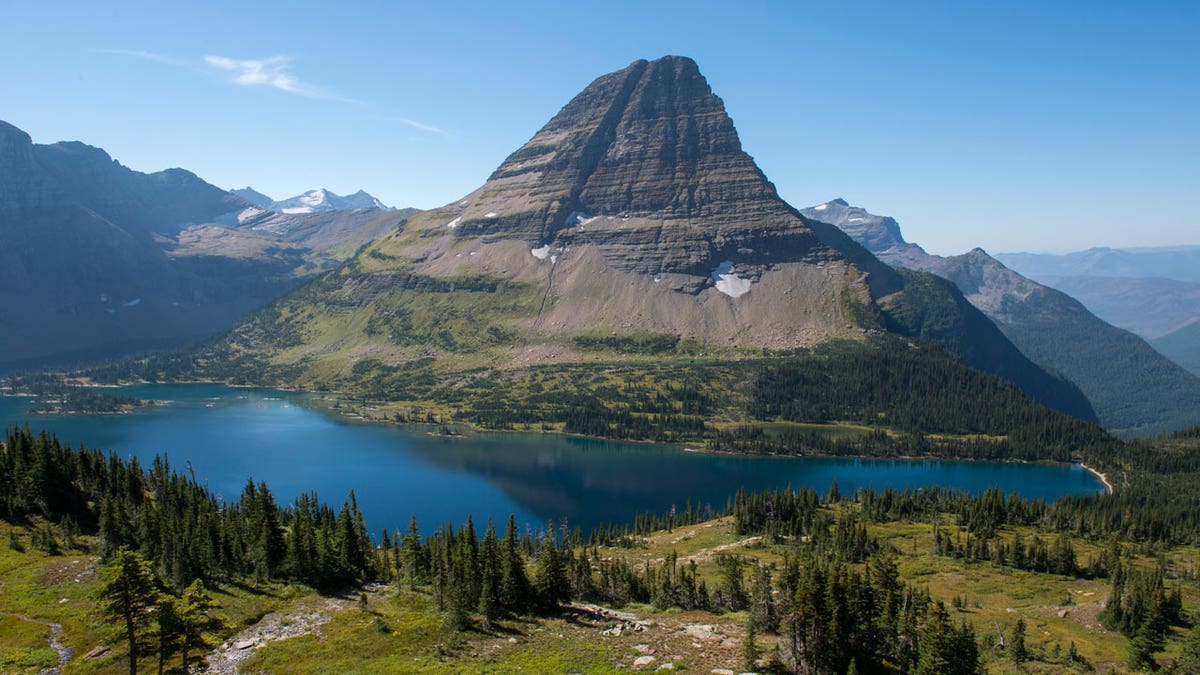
1154	292
100	260
1134	389
1181	263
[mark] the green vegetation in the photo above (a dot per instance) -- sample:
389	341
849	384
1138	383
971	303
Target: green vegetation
913	581
640	343
128	595
907	398
57	395
931	308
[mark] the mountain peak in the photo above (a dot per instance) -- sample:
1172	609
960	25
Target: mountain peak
254	197
322	199
11	135
641	156
83	151
875	233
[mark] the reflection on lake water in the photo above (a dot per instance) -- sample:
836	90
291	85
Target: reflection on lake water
226	436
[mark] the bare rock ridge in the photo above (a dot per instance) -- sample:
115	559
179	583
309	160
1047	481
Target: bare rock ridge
1133	389
875	233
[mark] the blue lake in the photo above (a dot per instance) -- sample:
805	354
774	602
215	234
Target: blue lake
228	435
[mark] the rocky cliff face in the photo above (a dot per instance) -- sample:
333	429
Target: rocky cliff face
1133	389
646	166
876	233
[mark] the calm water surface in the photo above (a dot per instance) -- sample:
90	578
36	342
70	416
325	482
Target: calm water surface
227	435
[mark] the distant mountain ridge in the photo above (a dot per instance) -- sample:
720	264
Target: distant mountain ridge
1150	307
255	197
1134	389
100	260
1154	291
1181	263
632	217
312	201
1182	346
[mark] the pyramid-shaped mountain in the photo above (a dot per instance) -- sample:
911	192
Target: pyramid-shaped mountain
646	166
633	216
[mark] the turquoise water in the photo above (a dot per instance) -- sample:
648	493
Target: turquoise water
226	436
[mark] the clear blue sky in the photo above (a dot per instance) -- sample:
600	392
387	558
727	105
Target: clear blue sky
1006	125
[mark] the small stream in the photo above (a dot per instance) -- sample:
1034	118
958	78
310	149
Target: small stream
64	652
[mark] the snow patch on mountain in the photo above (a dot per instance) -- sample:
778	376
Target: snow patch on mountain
729	282
312	201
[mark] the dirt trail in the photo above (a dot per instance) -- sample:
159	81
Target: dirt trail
706	554
227	658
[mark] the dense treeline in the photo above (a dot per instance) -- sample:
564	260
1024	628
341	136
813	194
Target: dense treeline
1174	520
754	440
179	525
158	528
1141	608
886	384
55	394
829	615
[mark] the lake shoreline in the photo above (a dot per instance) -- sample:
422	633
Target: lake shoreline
364	416
1108	488
229	435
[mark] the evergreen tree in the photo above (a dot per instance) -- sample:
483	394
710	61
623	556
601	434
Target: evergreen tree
936	655
553	587
489	571
515	589
732	594
750	648
196	618
1017	648
128	593
1149	640
414	556
385	555
762	602
167	629
943	649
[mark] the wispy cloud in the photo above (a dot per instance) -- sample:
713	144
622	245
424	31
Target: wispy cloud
148	56
274	72
424	127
